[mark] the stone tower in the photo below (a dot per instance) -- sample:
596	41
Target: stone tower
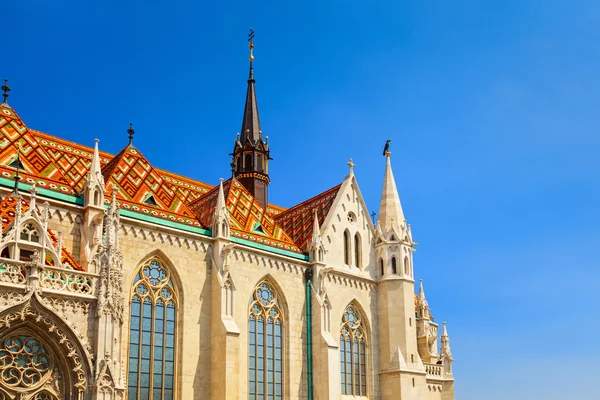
399	354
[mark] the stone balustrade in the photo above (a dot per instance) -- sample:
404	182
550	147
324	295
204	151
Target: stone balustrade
434	371
65	281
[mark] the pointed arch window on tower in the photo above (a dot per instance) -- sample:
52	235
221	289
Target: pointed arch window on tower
265	344
260	163
353	347
381	269
394	266
152	334
406	266
357	248
248	161
347	247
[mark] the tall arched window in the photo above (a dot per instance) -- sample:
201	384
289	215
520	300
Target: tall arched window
353	354
394	266
265	344
152	334
381	266
357	250
347	247
406	266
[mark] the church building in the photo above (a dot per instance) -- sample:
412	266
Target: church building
119	280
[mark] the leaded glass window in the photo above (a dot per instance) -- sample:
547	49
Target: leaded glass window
353	354
152	334
265	344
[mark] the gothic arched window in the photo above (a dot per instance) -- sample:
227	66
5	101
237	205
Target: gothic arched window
265	344
357	250
406	266
152	334
394	266
30	233
353	354
346	247
381	266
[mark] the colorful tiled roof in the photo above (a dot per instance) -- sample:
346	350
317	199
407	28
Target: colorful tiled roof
73	159
248	219
142	187
298	220
7	216
39	166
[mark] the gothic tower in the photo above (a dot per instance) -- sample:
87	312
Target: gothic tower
399	354
250	153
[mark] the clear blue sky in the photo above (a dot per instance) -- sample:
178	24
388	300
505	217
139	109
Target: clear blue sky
493	110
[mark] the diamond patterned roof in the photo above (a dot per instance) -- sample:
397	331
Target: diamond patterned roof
248	219
142	187
298	220
39	166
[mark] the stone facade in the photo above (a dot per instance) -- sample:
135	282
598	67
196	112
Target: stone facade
121	281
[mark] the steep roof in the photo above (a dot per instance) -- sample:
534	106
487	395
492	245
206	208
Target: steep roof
248	219
298	220
38	165
142	186
8	207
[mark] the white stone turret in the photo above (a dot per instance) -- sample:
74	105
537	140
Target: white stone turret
427	330
93	202
108	261
445	353
221	223
399	352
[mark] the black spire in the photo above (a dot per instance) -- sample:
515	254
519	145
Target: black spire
5	89
250	154
251	121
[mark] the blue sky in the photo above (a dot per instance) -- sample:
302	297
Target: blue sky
492	108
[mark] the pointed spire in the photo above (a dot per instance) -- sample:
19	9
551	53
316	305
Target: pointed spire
251	122
445	352
390	209
221	222
316	231
5	88
95	168
421	291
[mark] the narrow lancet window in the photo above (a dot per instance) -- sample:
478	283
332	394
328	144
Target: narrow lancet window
152	334
353	354
265	344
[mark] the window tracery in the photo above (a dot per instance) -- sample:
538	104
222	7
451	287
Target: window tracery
265	344
152	335
353	354
30	233
27	366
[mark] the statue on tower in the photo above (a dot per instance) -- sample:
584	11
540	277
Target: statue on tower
386	148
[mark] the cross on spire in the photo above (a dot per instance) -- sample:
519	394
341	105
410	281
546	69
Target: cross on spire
5	89
130	131
351	165
251	44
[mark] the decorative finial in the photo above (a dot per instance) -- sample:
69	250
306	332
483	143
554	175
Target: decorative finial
351	165
5	89
130	131
373	213
386	148
251	44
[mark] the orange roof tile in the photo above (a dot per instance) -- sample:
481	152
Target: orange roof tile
298	220
248	219
142	185
39	166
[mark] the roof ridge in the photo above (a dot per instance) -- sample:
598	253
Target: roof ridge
305	202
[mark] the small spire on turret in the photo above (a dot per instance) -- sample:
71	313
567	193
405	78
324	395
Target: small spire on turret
221	222
445	353
423	305
5	88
